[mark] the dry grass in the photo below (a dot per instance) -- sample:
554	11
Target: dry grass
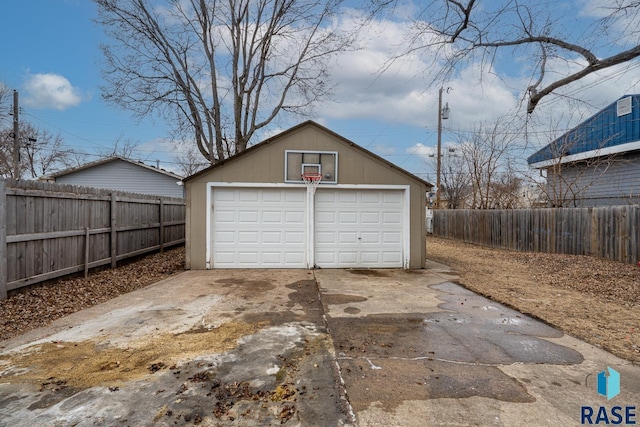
590	298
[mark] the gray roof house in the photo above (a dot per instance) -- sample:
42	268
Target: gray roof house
121	174
597	163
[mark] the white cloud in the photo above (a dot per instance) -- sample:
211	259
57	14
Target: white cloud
50	91
422	150
370	86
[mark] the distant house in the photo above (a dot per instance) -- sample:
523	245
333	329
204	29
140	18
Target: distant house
121	174
598	162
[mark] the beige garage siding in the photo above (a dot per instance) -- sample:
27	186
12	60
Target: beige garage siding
264	163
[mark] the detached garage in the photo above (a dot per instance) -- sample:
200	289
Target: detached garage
254	210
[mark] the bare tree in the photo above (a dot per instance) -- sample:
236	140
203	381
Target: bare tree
219	70
40	152
43	152
189	160
567	178
466	29
5	107
486	155
454	178
126	148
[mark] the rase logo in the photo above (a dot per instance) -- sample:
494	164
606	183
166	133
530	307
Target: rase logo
608	386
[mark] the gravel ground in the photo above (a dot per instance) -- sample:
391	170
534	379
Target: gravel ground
593	299
40	305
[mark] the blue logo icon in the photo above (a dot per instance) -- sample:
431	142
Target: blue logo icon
609	385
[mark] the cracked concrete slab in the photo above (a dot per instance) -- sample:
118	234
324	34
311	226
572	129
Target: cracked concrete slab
416	349
239	348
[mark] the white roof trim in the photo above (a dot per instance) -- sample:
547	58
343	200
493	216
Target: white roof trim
621	148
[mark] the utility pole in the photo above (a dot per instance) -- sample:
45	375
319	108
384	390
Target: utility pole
16	131
443	114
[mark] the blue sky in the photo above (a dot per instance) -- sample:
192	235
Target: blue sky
50	55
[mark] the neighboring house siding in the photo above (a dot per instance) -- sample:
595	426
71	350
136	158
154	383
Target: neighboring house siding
616	182
603	130
124	176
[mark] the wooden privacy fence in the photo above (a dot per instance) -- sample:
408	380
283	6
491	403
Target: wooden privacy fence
50	230
608	232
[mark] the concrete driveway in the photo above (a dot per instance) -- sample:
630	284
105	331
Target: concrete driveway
415	349
259	347
244	348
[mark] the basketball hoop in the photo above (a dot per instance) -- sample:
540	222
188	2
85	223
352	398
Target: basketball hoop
312	179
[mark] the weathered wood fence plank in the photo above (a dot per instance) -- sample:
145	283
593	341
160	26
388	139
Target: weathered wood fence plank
607	232
49	230
3	240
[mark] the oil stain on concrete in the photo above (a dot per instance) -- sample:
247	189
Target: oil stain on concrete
452	351
269	362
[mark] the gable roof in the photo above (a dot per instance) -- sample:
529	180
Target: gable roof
109	160
606	132
308	123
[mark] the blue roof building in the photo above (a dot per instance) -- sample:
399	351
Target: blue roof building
598	162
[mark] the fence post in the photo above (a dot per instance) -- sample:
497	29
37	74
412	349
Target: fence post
114	232
3	239
86	252
161	226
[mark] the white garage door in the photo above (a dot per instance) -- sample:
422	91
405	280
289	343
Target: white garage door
258	228
359	228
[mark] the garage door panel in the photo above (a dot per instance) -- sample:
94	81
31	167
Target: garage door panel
294	217
391	237
370	197
391	217
391	257
370	237
347	218
346	197
272	217
328	237
249	195
295	196
392	197
370	257
294	237
370	218
359	228
347	237
347	258
272	196
271	237
325	258
325	217
226	216
254	228
266	228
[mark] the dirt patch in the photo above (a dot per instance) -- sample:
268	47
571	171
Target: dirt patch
593	299
85	364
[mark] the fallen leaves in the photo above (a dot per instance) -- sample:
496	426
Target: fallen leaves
40	305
